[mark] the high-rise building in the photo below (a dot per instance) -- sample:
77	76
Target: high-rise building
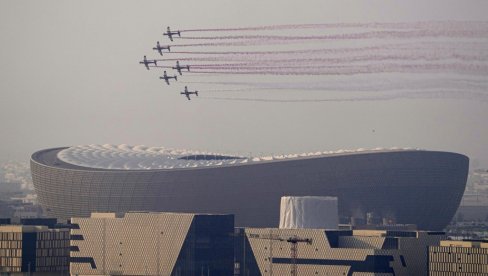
34	250
398	186
459	258
272	251
174	244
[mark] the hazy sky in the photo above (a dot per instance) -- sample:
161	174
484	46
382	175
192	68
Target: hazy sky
69	75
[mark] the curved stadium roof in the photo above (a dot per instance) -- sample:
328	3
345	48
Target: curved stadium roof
125	157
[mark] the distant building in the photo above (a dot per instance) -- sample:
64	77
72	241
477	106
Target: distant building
474	207
399	186
152	244
459	258
272	251
34	250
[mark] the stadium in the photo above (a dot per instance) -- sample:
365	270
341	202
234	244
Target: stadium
409	186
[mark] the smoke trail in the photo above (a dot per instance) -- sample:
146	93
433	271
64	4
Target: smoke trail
472	69
304	26
318	58
466	46
373	25
433	51
441	94
446	84
249	40
431	55
365	35
277	63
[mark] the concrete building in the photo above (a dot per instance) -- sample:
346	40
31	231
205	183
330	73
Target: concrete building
272	251
459	258
404	186
33	250
152	244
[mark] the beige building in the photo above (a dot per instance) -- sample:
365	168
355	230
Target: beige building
271	251
459	258
33	250
152	244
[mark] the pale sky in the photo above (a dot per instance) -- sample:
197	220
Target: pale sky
69	75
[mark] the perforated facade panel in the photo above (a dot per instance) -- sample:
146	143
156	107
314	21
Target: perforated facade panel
152	244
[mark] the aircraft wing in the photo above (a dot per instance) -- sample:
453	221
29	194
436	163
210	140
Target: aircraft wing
167	81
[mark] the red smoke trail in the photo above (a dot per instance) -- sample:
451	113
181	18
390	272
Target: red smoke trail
309	61
304	26
471	69
364	35
249	42
474	46
371	54
405	25
185	58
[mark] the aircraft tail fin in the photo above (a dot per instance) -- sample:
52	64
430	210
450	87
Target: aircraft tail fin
196	93
176	78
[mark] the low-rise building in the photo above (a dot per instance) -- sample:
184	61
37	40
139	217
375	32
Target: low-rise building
152	244
272	251
459	258
33	250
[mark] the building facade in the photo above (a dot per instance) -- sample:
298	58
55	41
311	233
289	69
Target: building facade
272	251
404	186
459	258
33	250
152	244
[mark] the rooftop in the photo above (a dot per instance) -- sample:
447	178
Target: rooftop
126	157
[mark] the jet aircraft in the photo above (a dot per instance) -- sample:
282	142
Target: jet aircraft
178	67
170	34
147	62
167	78
188	93
160	48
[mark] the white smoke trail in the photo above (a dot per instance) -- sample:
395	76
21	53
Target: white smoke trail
458	68
359	86
435	95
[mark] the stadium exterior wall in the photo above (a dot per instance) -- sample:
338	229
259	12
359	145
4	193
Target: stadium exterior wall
414	187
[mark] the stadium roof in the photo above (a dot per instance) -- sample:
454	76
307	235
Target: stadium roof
125	157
